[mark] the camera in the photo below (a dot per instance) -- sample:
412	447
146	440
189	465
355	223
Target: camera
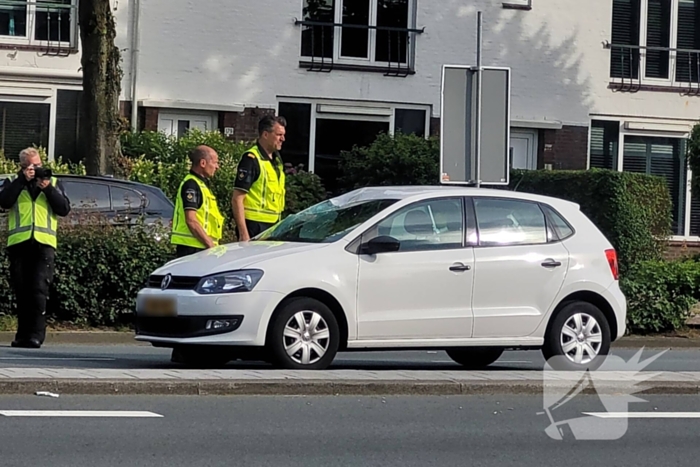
41	172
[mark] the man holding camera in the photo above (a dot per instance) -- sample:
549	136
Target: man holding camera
34	199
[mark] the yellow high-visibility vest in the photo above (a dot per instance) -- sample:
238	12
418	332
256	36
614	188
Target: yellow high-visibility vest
32	219
208	216
265	200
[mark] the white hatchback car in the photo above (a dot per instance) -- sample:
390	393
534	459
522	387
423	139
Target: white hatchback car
470	271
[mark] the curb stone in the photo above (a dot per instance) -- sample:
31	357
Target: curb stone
320	388
127	338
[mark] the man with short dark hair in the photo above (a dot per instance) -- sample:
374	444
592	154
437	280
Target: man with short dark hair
197	224
259	190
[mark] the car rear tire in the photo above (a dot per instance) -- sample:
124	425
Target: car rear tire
304	335
475	358
578	338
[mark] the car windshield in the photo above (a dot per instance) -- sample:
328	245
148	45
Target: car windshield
325	222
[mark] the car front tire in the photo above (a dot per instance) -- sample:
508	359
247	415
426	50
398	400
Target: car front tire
304	335
578	339
475	358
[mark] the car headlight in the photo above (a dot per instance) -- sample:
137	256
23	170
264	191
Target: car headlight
229	282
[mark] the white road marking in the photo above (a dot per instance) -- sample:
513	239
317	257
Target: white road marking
644	414
78	413
61	358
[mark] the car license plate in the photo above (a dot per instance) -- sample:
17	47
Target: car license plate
159	306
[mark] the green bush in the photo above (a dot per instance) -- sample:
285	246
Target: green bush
632	210
660	295
398	160
155	159
304	189
99	270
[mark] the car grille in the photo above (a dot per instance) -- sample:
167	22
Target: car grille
182	326
177	282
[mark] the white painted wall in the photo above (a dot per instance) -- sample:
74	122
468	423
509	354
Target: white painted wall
244	52
247	52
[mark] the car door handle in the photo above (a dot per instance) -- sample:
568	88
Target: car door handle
460	267
550	263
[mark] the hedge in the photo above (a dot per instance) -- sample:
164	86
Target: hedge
99	270
660	294
632	210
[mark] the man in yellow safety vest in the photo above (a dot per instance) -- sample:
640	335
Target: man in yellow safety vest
35	199
197	223
259	191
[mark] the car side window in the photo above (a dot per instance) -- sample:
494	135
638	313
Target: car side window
502	222
436	224
561	228
87	196
125	200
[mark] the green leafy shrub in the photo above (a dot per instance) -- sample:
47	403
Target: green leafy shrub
632	210
155	159
660	295
99	270
392	160
58	166
304	189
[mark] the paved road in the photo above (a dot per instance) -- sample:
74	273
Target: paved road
145	356
303	431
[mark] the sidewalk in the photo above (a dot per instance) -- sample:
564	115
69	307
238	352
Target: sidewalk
329	382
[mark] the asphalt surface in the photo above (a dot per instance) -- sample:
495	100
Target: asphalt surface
148	357
303	431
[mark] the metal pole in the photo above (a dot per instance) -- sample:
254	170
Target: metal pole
477	128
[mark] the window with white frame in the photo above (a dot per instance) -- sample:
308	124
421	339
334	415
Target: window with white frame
319	131
652	153
179	123
656	42
39	22
358	32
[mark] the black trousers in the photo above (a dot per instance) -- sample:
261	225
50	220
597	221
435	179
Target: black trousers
255	227
182	250
31	274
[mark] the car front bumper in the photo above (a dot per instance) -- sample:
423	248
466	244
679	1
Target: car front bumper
182	317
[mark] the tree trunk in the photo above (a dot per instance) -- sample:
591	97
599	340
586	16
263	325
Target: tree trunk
99	122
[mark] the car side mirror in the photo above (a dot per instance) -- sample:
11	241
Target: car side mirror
381	244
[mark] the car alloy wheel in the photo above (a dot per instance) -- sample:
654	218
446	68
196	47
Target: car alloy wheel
581	338
578	338
306	337
303	335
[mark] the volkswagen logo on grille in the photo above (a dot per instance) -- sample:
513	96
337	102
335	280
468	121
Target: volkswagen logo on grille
166	281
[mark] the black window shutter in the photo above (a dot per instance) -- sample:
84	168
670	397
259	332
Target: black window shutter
624	62
687	69
658	35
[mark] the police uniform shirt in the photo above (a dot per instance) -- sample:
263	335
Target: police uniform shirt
191	194
249	169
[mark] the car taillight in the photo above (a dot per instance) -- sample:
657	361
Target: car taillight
612	261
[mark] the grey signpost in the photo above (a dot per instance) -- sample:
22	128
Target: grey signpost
475	122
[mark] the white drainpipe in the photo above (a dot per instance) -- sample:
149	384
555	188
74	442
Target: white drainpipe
134	64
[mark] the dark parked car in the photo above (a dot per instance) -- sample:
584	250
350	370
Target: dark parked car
121	201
